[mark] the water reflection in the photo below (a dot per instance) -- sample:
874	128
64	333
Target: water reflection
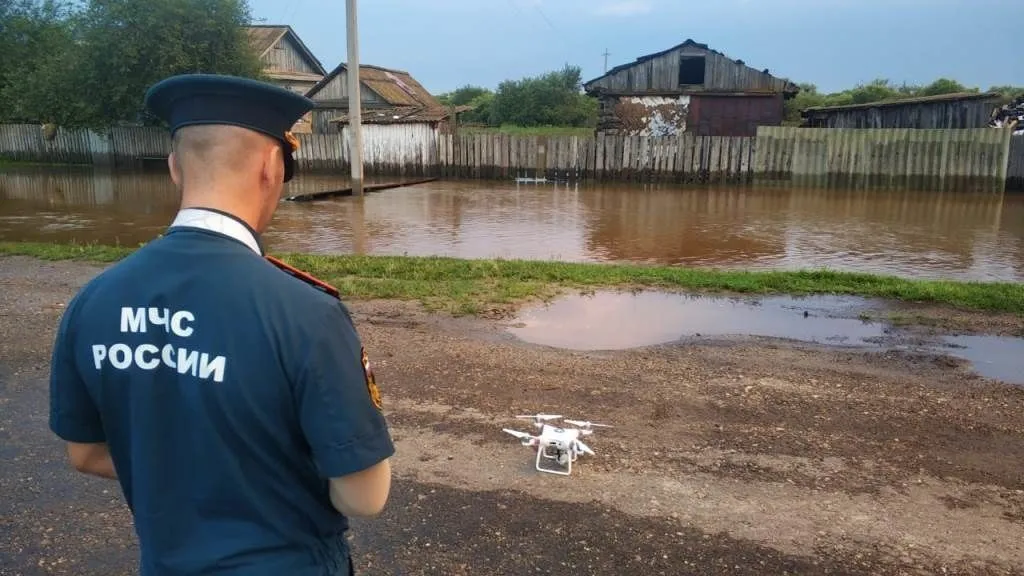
618	320
919	234
610	320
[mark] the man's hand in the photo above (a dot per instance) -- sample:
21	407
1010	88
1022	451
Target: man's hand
92	459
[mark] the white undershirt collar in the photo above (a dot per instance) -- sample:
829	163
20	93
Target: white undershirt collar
217	222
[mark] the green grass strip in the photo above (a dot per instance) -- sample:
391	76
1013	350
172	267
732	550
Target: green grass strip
472	286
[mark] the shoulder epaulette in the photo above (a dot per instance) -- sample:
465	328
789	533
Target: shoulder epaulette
305	277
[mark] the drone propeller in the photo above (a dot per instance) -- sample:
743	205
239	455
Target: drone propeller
526	439
584	447
539	417
586	424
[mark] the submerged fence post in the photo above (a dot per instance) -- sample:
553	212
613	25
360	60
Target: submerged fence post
1003	166
100	147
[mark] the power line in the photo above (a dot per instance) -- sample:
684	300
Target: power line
514	7
544	16
294	10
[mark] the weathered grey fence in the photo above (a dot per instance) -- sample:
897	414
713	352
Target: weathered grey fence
121	146
27	143
388	149
821	157
1015	165
974	159
685	158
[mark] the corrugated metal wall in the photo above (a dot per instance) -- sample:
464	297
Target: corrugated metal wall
733	115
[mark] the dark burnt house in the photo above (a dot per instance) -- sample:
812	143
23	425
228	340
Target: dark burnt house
688	88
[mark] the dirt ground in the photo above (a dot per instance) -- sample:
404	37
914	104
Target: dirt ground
739	457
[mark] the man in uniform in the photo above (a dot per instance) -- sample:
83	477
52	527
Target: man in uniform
232	400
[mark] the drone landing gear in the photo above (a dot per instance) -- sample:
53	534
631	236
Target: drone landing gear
563	459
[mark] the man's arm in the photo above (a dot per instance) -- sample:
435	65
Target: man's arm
74	416
364	493
93	459
344	427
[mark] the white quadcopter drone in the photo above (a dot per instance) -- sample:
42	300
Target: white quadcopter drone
554	443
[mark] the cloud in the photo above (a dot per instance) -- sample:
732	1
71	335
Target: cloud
624	8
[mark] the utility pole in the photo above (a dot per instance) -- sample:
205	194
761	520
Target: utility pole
355	118
606	54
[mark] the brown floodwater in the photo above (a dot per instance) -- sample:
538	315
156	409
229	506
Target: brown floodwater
914	233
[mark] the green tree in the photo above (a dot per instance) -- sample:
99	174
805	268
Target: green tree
1008	93
463	96
90	66
880	90
125	46
944	86
551	99
35	40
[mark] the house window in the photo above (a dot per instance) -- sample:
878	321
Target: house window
691	70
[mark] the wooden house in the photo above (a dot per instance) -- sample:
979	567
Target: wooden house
688	88
400	118
287	62
949	111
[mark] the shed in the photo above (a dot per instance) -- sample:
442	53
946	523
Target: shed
951	111
688	88
387	96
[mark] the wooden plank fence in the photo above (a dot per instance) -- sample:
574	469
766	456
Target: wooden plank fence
981	158
121	146
685	158
971	159
27	143
388	149
1015	164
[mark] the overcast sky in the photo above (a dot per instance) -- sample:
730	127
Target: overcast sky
832	43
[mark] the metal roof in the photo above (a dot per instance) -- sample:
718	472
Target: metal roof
397	115
396	87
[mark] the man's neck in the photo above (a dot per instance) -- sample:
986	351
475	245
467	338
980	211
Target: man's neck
208	218
246	213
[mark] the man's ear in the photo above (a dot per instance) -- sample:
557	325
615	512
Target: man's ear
172	165
273	167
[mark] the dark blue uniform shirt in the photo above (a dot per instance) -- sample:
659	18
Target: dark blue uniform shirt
229	393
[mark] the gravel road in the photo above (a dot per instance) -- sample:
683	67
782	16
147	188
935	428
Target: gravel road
738	457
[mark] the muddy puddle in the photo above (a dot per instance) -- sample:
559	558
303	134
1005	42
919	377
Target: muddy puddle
611	320
991	356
